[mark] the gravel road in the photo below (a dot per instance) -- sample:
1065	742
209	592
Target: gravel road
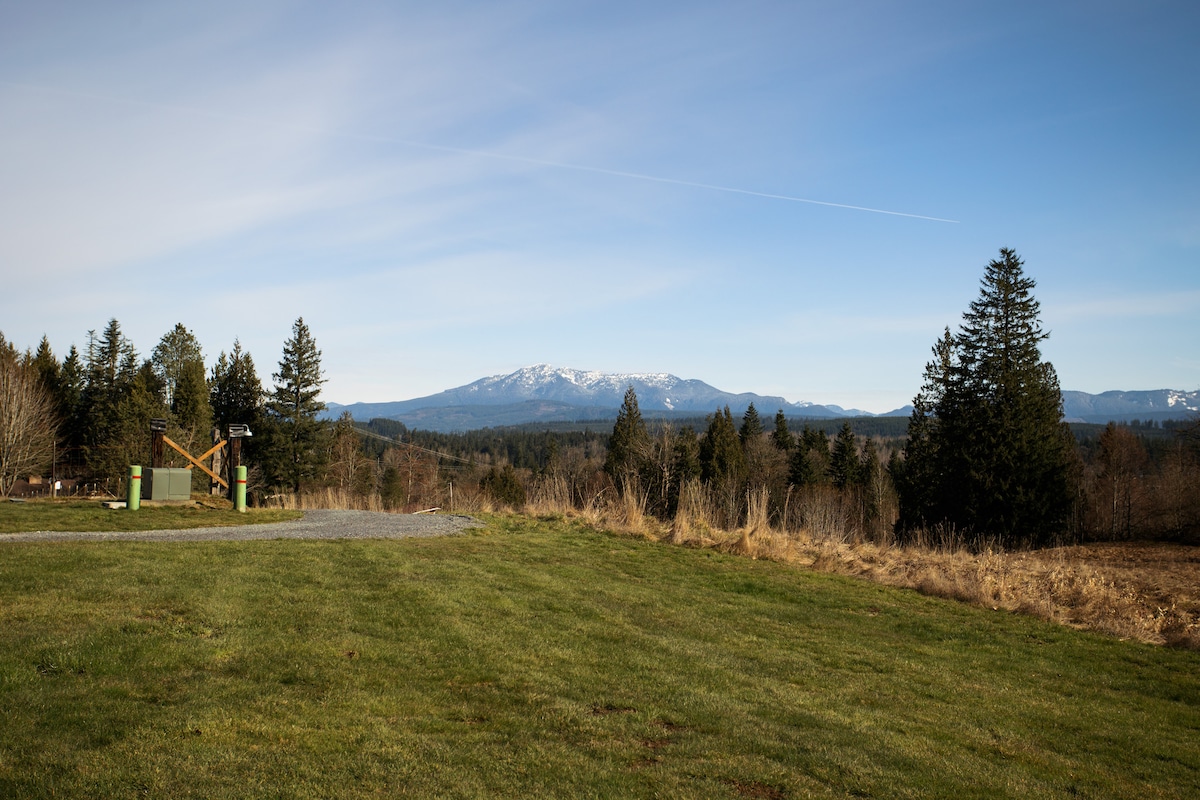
314	525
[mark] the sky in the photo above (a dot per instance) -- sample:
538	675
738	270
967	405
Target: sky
787	198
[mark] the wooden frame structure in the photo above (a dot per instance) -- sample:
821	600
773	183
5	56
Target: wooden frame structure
158	438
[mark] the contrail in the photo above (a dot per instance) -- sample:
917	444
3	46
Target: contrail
643	177
486	154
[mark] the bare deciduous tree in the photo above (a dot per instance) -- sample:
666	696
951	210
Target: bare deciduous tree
27	424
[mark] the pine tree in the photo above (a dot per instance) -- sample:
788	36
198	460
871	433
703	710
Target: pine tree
120	396
629	445
723	466
721	457
296	436
988	452
71	381
174	354
782	436
751	425
844	464
504	486
810	460
48	370
687	465
235	392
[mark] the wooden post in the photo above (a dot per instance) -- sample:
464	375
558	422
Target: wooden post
158	429
214	488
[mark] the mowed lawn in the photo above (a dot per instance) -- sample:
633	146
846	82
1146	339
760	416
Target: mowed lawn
541	659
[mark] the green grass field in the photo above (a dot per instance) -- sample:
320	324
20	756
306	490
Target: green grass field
538	659
89	515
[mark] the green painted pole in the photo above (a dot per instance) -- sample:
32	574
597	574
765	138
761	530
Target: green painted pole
134	501
239	491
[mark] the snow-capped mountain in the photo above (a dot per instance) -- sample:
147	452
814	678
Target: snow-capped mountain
543	392
1122	406
656	391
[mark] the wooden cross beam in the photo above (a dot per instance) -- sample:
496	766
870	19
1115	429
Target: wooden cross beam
185	454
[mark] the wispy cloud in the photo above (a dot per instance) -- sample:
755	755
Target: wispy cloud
1126	305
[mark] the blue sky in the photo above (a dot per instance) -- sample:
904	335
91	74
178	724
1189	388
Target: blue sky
453	190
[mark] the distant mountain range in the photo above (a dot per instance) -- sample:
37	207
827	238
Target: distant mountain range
543	393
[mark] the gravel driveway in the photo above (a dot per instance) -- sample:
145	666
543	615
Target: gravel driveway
314	525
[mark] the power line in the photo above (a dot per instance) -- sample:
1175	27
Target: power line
390	440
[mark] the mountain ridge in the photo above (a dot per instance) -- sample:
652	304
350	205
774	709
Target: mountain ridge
544	393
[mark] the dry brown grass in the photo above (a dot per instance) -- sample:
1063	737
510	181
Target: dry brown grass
1148	592
328	498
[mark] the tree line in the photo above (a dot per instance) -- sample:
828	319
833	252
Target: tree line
88	414
984	459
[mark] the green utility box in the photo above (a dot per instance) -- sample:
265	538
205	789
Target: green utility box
167	483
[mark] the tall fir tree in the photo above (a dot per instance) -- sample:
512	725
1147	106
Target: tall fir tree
751	425
120	396
845	468
173	356
687	464
178	363
988	452
723	466
235	391
782	436
721	457
71	381
297	437
809	464
629	445
48	370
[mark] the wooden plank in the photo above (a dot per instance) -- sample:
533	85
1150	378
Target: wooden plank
185	454
212	450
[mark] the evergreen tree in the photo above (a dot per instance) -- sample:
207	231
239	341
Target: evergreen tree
504	486
723	465
844	466
810	460
751	425
295	434
721	457
235	392
173	356
71	380
687	465
782	436
988	452
921	482
178	364
629	445
48	371
119	398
